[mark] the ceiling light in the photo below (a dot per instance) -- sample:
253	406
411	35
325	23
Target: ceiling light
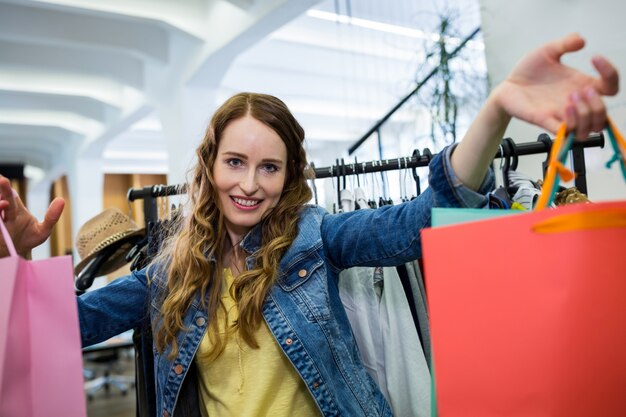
388	28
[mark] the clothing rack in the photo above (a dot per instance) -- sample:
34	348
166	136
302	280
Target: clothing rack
149	195
528	148
542	145
509	149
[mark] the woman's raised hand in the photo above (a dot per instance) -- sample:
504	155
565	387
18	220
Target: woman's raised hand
545	92
23	227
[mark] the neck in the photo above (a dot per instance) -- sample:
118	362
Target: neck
234	256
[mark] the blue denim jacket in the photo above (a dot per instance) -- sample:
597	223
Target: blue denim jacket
303	309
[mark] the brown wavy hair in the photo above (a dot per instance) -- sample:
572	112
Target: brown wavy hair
200	236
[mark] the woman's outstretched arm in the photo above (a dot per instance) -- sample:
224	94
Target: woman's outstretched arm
540	90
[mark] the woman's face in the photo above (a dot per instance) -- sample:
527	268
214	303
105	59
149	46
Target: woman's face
249	173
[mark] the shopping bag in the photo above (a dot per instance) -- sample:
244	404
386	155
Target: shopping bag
527	312
40	350
443	216
532	320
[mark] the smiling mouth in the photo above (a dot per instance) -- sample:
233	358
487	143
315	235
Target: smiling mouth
245	203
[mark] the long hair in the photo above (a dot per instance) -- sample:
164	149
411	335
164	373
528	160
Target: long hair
200	236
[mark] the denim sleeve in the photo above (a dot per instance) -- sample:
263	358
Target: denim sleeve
113	309
450	191
390	235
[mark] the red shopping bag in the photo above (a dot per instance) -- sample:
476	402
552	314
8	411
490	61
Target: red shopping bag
528	313
40	350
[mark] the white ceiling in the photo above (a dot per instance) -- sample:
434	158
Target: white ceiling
86	78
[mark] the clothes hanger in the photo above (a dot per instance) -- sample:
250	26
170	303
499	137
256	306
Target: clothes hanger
405	174
382	198
386	191
428	154
402	179
91	271
511	159
416	177
505	162
332	172
360	197
370	201
338	190
313	186
545	139
346	193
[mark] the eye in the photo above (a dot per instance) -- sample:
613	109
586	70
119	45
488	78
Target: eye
234	162
270	168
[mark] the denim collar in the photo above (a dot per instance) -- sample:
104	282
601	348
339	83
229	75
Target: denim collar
308	236
251	242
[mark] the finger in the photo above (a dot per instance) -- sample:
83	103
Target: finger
5	188
608	84
7	195
597	108
570	117
53	214
583	115
570	43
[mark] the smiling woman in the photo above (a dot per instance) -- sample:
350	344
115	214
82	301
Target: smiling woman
244	299
249	174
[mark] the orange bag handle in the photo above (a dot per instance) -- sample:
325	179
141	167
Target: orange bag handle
556	165
588	220
558	156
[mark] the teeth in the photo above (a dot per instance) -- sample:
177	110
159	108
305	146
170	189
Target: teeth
247	203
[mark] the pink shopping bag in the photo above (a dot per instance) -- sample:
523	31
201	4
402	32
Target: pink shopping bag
41	373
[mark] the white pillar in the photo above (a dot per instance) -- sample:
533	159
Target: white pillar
85	180
38	198
184	119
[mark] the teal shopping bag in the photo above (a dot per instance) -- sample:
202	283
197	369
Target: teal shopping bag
450	216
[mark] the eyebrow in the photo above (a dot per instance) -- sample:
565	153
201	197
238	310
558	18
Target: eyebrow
243	156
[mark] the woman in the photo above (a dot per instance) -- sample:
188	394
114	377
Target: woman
243	299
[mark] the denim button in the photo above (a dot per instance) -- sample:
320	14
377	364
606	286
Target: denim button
166	414
200	321
289	341
178	369
316	385
302	273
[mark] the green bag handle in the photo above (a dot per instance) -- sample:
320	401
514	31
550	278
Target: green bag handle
558	156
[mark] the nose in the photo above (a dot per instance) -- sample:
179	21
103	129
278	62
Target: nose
248	183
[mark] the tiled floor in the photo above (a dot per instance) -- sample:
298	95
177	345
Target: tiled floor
113	403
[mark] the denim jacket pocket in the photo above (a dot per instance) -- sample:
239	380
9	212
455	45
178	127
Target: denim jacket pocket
305	282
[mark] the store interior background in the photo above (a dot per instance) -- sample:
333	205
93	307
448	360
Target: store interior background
100	96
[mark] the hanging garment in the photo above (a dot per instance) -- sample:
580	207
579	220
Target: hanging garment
347	200
360	198
382	321
525	191
390	348
416	281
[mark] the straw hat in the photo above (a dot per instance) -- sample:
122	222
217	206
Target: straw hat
111	227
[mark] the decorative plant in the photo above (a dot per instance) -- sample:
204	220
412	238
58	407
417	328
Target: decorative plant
458	88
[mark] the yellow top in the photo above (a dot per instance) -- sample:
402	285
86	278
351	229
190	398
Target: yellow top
247	382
